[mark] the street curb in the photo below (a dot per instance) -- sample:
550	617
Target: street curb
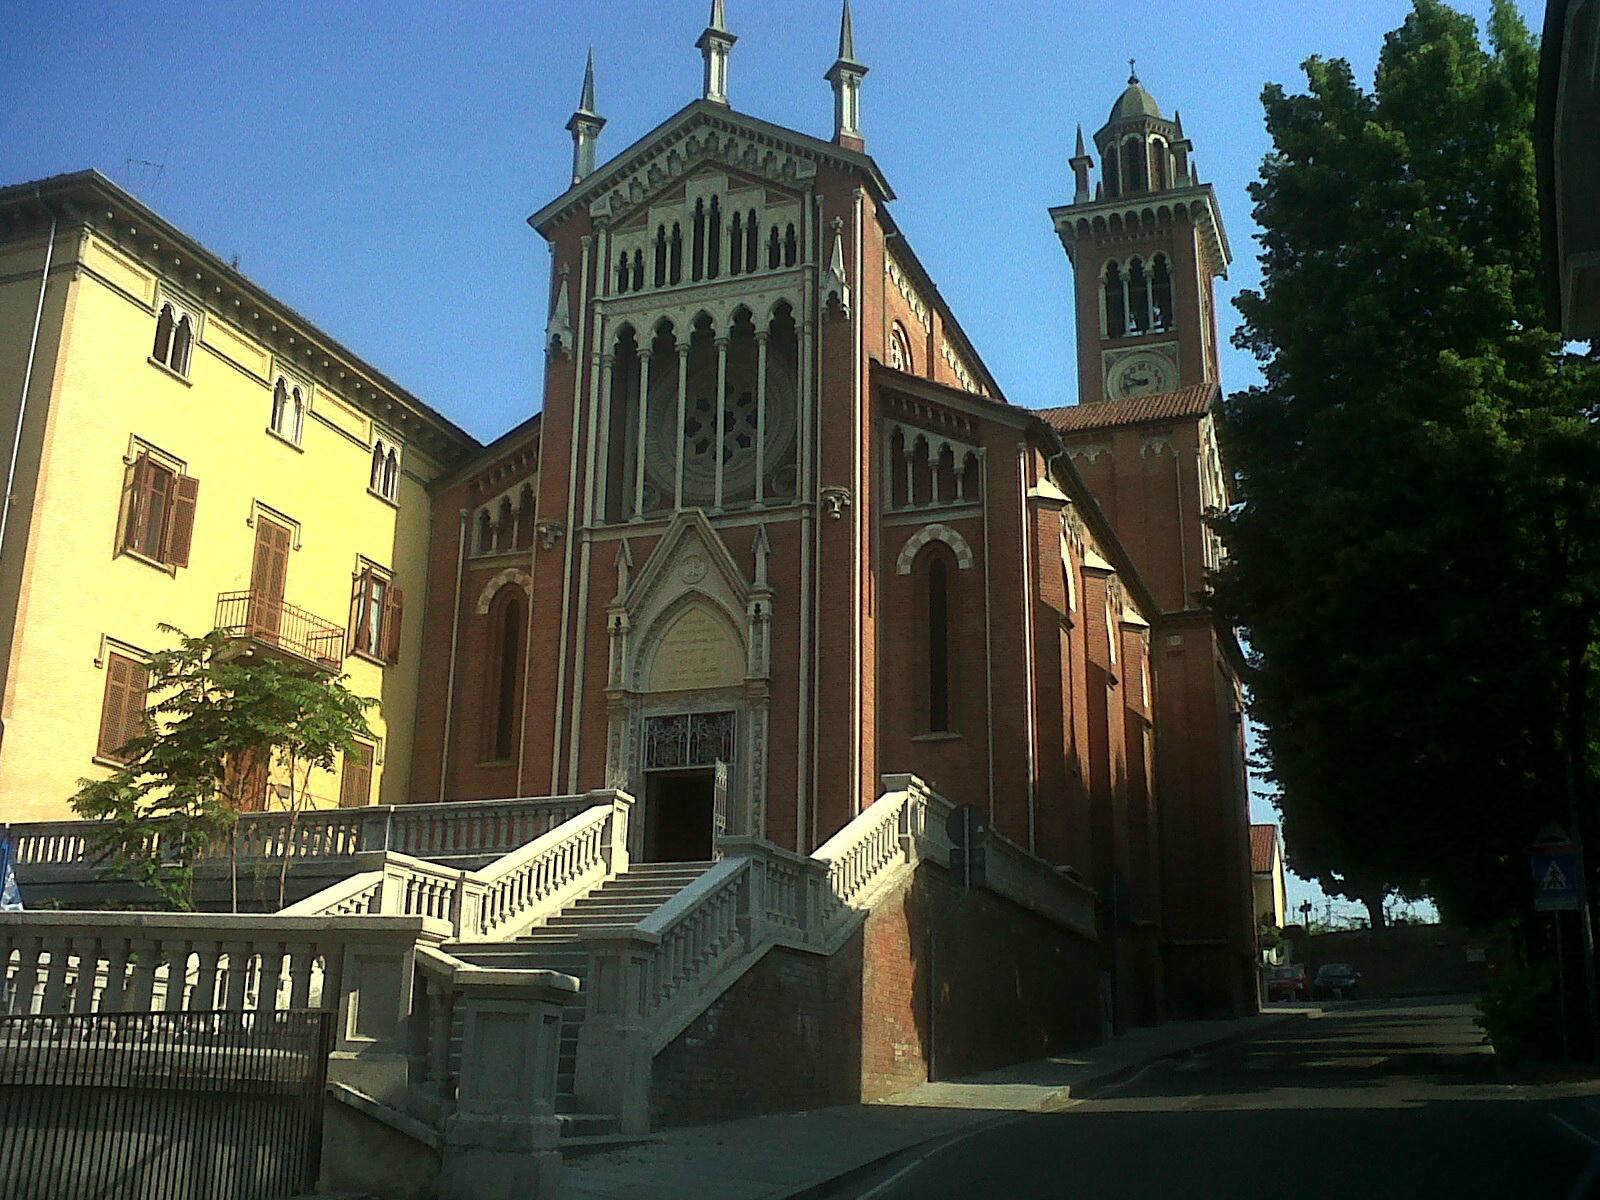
1056	1101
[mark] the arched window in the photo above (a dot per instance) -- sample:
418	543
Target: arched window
1158	164
697	263
182	343
677	253
774	250
299	416
661	256
1116	303
752	242
900	349
938	646
1135	168
375	480
525	517
280	406
505	527
504	674
736	245
162	350
791	246
714	241
1162	316
1113	174
391	476
622	271
638	270
485	542
1138	298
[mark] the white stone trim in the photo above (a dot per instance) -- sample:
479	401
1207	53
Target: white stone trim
510	575
934	533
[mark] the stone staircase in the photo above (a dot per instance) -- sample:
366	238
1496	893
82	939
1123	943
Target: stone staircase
558	945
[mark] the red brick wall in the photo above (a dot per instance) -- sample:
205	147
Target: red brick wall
936	981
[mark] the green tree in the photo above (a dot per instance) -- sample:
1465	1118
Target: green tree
215	720
1411	556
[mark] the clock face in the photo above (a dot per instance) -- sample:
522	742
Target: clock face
1141	375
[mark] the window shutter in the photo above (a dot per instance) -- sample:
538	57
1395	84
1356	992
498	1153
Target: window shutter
358	609
393	607
135	500
355	786
122	716
180	521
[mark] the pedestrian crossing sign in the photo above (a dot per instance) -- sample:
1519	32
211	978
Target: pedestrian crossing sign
1556	880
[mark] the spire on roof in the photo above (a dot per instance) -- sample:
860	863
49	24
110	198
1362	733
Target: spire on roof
847	36
1079	152
846	75
586	101
714	44
585	126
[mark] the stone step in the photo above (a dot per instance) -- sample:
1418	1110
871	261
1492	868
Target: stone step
575	1124
656	868
616	908
581	921
636	894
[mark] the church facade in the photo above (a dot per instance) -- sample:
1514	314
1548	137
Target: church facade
777	531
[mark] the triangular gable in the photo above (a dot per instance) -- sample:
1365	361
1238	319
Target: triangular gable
688	528
702	132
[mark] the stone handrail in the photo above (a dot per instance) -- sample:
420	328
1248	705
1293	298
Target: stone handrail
470	828
505	897
58	962
696	930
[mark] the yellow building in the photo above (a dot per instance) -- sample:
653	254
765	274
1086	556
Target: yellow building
184	449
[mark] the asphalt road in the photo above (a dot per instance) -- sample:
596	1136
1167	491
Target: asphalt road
1399	1100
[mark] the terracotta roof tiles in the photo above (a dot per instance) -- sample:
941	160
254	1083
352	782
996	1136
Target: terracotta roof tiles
1193	401
1263	845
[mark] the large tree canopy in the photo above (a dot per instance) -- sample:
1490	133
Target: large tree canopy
1410	557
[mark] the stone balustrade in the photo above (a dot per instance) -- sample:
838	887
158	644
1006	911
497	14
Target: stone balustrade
473	829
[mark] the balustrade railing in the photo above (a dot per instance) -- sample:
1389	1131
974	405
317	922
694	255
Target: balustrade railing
268	620
469	828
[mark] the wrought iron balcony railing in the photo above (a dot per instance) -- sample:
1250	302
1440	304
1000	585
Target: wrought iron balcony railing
271	624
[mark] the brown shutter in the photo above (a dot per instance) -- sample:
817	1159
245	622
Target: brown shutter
180	521
122	714
393	609
355	786
358	607
135	501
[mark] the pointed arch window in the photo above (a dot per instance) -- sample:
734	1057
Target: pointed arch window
385	479
525	517
280	405
485	542
638	270
1135	167
677	253
1115	301
1113	173
288	418
938	646
506	629
176	329
622	272
1138	298
1158	164
697	261
736	245
774	250
900	349
791	246
714	241
661	256
1161	315
752	242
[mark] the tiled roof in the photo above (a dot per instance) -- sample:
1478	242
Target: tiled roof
1193	401
1263	845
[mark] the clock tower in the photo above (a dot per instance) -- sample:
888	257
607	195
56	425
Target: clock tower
1145	243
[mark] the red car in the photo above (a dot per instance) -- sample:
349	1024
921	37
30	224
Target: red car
1289	982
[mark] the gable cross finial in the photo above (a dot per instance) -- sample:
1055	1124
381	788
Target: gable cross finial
1133	71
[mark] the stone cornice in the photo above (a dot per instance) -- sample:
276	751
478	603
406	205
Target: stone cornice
89	201
1135	213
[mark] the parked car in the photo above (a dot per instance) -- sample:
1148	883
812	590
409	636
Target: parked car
1335	981
1289	982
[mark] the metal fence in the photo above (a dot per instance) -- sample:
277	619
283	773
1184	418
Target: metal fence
162	1105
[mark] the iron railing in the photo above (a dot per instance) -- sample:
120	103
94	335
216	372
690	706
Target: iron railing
271	622
162	1105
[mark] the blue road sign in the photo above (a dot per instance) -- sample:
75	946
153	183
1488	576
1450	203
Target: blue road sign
1557	880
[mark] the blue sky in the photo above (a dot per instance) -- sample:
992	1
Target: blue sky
373	166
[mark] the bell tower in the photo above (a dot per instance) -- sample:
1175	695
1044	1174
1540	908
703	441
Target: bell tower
1146	243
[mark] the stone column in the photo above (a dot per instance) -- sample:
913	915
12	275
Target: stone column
761	415
501	1140
683	391
722	415
373	977
613	1068
639	451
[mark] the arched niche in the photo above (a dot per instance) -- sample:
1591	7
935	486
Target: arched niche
697	650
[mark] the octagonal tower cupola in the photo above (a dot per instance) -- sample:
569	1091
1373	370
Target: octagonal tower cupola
1140	149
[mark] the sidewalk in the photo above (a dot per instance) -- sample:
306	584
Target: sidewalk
799	1156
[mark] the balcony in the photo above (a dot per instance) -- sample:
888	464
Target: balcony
268	626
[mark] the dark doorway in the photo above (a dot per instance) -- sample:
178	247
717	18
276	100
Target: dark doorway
677	824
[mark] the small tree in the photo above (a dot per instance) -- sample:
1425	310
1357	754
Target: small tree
215	722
